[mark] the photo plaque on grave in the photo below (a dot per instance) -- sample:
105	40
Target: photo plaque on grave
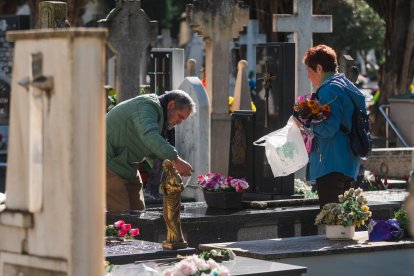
275	88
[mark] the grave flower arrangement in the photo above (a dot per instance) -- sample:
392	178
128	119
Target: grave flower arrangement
218	254
350	211
196	265
121	229
216	182
309	110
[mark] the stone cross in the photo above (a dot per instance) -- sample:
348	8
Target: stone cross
250	39
303	24
218	22
131	32
242	99
52	14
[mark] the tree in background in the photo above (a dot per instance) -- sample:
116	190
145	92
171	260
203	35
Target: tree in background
398	70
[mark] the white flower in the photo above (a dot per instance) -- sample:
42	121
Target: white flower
214	252
231	254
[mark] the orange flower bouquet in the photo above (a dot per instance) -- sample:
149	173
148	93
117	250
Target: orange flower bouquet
309	110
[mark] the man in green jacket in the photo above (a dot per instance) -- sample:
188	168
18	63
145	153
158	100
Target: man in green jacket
136	130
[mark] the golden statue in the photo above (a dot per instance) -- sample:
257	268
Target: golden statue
172	186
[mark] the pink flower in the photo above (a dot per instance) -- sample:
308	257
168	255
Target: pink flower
126	226
119	223
122	232
134	232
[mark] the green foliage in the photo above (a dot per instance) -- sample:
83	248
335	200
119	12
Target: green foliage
402	218
351	210
110	231
217	254
111	102
355	25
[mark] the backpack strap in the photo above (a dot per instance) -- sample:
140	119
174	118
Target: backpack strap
342	127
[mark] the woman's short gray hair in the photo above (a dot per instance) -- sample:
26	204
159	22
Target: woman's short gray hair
182	100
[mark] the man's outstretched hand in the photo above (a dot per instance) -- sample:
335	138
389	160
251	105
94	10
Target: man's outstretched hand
182	166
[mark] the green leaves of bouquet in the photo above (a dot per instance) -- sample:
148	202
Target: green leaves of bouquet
351	210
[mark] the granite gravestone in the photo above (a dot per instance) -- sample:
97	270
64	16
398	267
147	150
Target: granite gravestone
274	105
242	160
131	32
129	251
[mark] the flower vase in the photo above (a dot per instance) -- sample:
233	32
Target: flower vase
339	232
223	200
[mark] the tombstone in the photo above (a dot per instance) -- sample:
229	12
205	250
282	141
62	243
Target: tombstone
275	63
193	136
242	159
137	251
56	163
303	24
242	99
218	22
250	39
131	32
166	69
52	14
194	49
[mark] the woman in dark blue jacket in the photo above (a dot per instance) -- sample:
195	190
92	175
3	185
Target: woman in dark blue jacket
331	162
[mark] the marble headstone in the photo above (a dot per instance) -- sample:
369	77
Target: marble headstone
193	136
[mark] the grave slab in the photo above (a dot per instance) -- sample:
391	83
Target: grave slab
323	256
201	224
238	266
137	250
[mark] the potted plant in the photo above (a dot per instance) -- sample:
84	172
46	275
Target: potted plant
341	218
222	192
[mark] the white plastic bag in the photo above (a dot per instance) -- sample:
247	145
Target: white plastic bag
285	149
